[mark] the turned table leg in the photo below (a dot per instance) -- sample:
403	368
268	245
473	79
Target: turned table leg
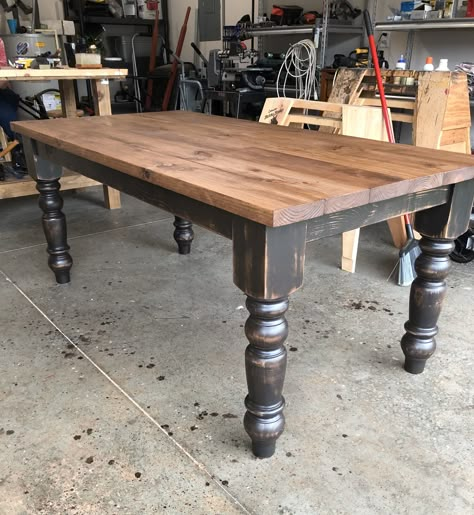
54	226
439	227
183	235
265	363
268	267
426	298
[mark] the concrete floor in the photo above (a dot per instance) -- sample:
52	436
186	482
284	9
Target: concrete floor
123	391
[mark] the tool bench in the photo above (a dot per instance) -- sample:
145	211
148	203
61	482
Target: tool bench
65	77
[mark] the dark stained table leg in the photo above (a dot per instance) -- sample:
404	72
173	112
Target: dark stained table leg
265	364
439	226
47	175
183	234
426	298
54	226
268	267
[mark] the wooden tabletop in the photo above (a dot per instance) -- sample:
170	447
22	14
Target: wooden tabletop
30	74
272	175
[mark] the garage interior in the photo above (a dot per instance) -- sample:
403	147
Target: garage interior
123	378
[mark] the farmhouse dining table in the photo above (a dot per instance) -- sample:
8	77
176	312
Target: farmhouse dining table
271	190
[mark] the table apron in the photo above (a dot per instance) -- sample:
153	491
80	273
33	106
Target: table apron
209	217
343	221
220	221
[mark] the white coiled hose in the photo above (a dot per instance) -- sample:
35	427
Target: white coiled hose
301	65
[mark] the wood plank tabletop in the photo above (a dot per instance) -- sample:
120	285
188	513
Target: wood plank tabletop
269	174
30	74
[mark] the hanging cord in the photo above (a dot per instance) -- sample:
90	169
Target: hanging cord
301	65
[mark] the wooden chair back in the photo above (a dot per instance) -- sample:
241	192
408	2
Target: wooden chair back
349	120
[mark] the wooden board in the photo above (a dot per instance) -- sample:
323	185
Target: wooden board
270	174
12	188
61	74
103	107
88	66
364	122
4	145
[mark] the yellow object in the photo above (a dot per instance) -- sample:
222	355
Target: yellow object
25	61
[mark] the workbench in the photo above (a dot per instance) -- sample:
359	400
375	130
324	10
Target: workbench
65	77
271	190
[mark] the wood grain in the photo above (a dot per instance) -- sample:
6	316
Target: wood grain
21	188
269	174
4	145
68	98
103	107
61	74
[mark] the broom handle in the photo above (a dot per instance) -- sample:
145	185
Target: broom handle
383	100
378	75
152	63
174	67
409	227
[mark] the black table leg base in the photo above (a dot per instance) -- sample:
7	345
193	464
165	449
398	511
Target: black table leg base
414	366
265	362
54	227
184	248
183	235
426	298
264	427
62	276
263	449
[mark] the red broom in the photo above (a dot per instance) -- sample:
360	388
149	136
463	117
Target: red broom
411	250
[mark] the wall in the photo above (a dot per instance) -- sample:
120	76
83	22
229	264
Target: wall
234	10
51	9
337	43
457	45
177	9
48	10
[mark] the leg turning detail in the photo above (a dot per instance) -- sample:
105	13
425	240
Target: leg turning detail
265	363
183	235
426	298
54	226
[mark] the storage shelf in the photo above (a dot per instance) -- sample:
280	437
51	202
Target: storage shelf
110	20
453	23
301	29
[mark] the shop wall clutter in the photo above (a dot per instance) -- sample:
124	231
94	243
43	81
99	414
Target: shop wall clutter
234	10
49	10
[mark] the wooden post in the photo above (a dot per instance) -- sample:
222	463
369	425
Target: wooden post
102	107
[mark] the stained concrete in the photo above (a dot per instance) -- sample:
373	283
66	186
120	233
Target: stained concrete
362	436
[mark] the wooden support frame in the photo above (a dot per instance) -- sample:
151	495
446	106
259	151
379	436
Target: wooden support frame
65	77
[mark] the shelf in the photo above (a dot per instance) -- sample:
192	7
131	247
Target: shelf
441	24
110	20
301	29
